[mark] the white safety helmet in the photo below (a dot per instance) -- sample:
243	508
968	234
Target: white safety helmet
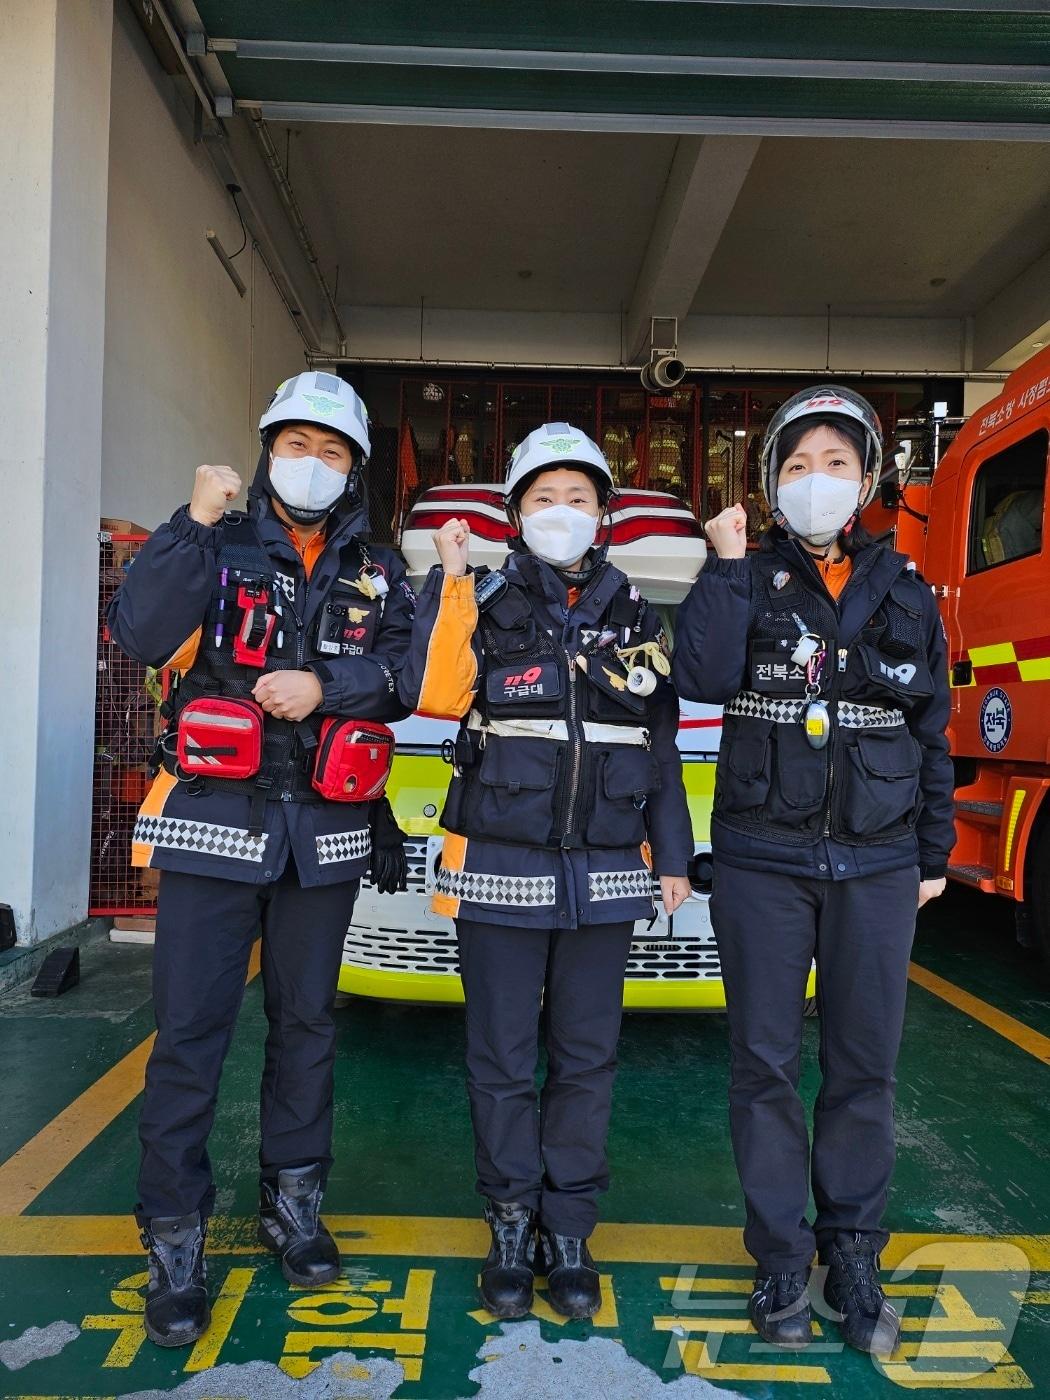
825	401
324	399
556	445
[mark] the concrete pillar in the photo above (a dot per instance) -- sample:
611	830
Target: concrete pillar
54	115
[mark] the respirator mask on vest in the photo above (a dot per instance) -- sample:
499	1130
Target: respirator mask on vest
559	535
817	507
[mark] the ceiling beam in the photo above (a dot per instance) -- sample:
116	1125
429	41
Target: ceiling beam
689	65
647	123
1006	326
705	178
1017	7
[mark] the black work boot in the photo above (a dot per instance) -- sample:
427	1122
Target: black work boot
177	1308
573	1286
854	1294
779	1309
290	1225
507	1273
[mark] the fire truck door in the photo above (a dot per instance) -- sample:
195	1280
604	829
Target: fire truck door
1001	657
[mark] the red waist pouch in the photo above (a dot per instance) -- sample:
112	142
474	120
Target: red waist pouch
354	758
220	738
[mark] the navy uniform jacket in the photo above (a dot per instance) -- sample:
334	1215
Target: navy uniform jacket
532	885
156	617
714	628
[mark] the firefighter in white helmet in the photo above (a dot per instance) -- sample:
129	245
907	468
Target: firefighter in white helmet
566	798
832	825
287	629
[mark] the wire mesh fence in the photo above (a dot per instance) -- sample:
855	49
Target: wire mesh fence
127	723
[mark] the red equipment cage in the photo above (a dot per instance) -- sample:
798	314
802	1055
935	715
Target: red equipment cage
127	722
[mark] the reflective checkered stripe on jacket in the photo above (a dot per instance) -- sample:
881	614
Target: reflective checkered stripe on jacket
619	884
479	887
344	845
850	715
209	838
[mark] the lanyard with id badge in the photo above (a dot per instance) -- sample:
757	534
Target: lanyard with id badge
811	653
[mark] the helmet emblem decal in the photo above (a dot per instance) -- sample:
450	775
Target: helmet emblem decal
324	406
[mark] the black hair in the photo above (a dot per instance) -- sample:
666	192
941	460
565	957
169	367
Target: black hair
846	429
605	489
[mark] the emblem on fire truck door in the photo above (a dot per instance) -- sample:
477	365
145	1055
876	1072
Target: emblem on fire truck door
996	720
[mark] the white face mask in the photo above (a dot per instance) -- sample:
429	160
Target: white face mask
306	483
559	535
818	505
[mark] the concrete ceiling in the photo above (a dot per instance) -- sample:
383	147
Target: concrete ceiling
491	220
457	216
871	226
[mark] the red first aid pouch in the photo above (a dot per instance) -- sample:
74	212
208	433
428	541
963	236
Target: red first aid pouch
353	761
220	738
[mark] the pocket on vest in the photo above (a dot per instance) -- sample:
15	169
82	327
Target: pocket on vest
873	678
744	768
516	789
880	784
801	775
626	775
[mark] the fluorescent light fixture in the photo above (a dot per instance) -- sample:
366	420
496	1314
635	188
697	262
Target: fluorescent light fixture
224	257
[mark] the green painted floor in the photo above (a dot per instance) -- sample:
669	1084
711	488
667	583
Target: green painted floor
974	1161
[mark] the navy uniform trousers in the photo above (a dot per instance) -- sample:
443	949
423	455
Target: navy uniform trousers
769	927
546	1151
205	931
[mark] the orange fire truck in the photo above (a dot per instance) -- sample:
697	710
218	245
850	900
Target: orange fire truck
975	523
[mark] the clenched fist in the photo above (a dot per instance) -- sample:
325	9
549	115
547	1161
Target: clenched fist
452	542
288	694
213	490
728	533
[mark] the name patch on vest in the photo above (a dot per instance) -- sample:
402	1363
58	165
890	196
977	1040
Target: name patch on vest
772	671
508	685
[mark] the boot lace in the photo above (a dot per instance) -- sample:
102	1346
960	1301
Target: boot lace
859	1268
512	1239
787	1293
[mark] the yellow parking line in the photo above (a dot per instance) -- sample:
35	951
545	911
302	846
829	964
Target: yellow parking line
1007	1026
460	1237
36	1165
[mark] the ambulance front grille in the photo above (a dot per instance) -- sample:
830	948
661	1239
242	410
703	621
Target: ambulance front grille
401	950
434	951
678	960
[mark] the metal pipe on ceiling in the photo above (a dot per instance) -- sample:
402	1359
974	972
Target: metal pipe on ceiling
494	367
291	204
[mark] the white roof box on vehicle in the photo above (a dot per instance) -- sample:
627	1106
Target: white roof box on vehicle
656	539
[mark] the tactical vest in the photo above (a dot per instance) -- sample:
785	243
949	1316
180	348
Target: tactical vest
345	624
862	788
556	751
